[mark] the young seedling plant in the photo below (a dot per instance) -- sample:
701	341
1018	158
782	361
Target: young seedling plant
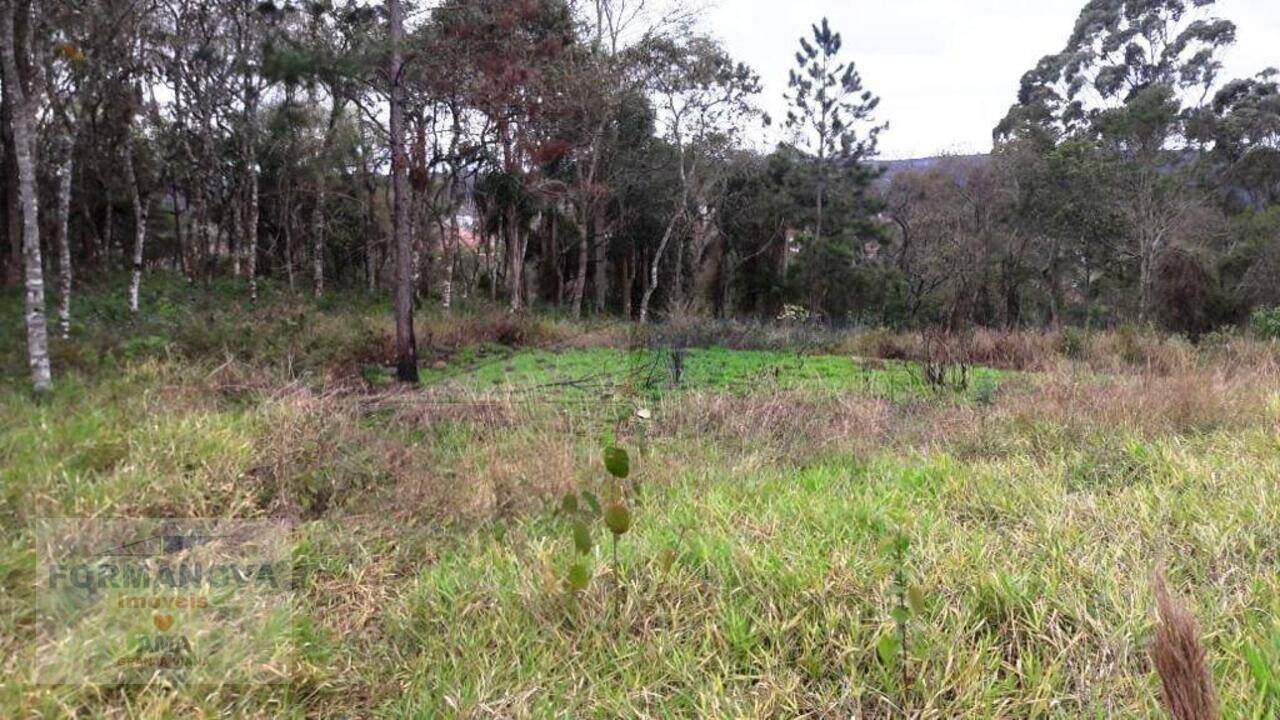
909	600
584	507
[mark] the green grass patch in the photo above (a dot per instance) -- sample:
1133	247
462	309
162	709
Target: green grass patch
603	371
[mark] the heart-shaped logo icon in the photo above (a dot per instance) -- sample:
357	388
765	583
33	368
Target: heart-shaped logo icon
163	622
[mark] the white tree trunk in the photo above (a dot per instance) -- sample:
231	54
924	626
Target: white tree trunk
64	244
22	120
652	285
251	234
449	248
140	213
317	240
651	282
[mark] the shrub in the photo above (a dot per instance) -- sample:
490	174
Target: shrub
1072	342
1266	322
1183	291
1010	350
887	344
1129	345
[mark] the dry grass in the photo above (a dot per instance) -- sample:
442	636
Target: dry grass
1120	351
1194	400
1180	660
787	426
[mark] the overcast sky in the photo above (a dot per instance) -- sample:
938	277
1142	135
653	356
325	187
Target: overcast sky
946	70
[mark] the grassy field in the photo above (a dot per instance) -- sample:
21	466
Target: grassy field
816	531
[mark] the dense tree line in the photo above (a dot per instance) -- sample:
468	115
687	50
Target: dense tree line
1129	182
592	155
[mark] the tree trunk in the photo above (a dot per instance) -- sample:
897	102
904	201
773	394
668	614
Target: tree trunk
822	189
61	223
628	281
252	206
317	240
515	265
372	234
651	281
251	214
179	240
449	243
205	241
548	258
601	279
1146	280
406	343
580	279
235	232
140	212
13	205
108	233
557	267
22	121
288	241
317	217
450	253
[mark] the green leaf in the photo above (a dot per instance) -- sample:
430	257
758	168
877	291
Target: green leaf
887	648
617	518
581	537
617	462
900	614
569	503
579	576
915	598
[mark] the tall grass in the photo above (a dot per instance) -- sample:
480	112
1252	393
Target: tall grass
431	557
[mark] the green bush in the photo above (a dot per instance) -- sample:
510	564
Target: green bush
1266	322
1072	342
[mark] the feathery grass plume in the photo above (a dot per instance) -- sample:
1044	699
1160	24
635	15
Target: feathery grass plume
1179	658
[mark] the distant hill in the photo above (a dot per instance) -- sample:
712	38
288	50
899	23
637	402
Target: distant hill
961	162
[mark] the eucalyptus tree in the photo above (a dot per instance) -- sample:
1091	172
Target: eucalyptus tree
605	71
450	148
112	49
515	51
701	95
249	24
340	42
22	89
62	72
1130	74
1240	129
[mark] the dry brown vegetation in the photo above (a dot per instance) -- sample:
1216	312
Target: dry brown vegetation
1180	660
